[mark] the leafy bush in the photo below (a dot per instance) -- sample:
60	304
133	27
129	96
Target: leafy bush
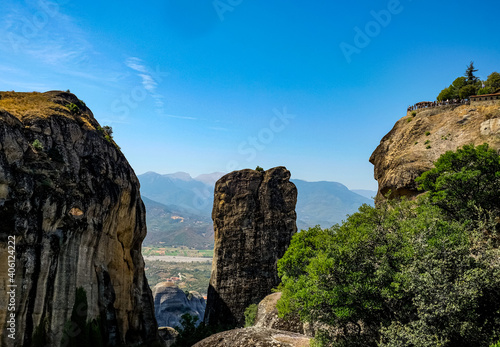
413	113
468	90
406	273
493	82
37	145
258	168
250	315
107	132
427	133
465	183
73	108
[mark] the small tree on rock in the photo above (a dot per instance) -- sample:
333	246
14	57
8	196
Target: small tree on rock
469	74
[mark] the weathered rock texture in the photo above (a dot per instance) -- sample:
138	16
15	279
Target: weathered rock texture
255	336
267	317
168	335
75	211
254	220
171	303
416	142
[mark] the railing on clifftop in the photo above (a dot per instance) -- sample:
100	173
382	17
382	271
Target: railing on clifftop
431	104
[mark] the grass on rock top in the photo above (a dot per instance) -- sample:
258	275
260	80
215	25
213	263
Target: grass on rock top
38	105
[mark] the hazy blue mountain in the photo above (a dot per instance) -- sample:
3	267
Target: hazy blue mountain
179	207
210	179
174	225
370	194
178	189
325	203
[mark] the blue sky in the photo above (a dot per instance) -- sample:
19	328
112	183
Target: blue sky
203	86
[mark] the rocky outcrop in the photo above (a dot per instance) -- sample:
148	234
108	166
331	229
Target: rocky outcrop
254	220
267	317
171	303
255	336
168	335
71	201
416	142
268	330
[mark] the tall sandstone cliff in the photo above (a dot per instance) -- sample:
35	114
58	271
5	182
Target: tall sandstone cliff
254	220
72	202
416	142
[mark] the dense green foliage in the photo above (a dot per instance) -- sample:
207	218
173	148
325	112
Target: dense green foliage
406	273
493	82
465	183
250	315
469	74
469	84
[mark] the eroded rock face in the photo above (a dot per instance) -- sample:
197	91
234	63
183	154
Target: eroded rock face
416	142
72	202
171	303
267	317
255	336
254	220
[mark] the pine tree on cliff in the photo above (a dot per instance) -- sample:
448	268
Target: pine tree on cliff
469	74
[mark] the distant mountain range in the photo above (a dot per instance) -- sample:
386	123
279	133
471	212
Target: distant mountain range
179	207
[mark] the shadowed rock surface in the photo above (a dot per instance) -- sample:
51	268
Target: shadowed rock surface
254	220
171	303
72	201
415	143
168	335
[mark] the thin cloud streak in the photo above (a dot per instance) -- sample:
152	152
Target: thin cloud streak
147	79
180	117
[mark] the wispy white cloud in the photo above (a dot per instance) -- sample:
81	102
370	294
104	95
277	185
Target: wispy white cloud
136	64
41	30
149	80
181	117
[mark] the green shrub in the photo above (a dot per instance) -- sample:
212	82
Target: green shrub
250	315
428	147
37	145
413	113
464	180
406	273
427	133
73	108
427	142
258	168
